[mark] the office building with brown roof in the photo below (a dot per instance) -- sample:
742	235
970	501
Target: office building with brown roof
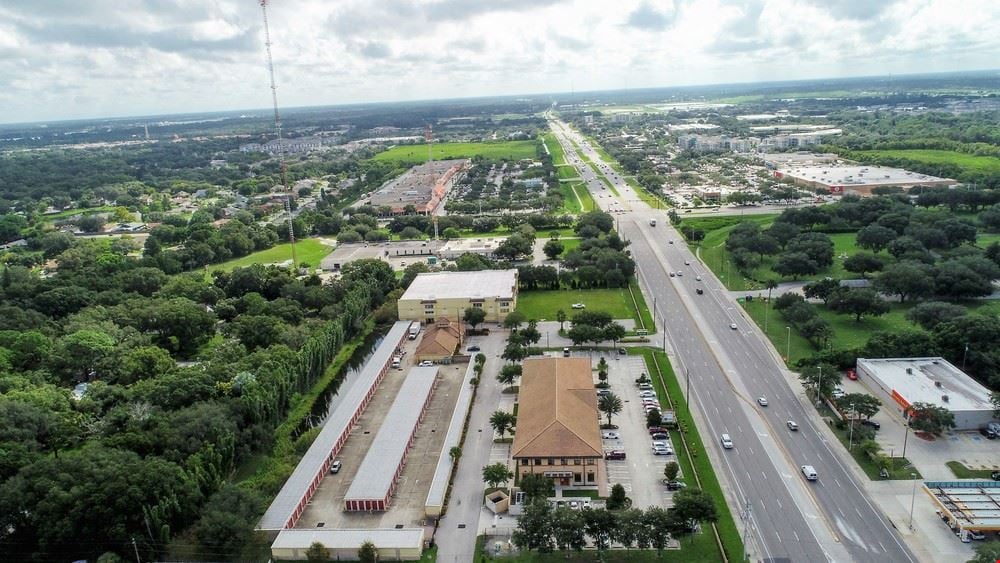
558	426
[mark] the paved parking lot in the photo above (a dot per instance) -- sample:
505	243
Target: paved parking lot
641	472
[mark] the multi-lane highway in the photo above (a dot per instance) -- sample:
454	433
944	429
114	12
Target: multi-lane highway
791	518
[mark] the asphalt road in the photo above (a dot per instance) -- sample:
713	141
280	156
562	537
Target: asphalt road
830	519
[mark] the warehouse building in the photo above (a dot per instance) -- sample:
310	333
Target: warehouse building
404	544
436	295
291	501
558	433
858	180
379	472
901	382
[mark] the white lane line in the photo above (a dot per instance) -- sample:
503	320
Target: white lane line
777	536
837	482
841	512
884	550
764	475
780	508
794	533
858	511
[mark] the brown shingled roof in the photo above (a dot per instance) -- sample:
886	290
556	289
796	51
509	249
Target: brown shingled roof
557	416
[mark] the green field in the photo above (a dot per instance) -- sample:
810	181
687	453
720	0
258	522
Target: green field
511	150
971	162
555	149
310	251
543	304
72	212
570	202
712	249
963	472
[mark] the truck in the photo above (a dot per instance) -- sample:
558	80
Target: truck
414	330
652	222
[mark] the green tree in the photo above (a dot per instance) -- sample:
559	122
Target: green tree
610	405
227	521
821	289
858	302
875	237
995	401
497	475
906	279
931	418
670	470
987	552
509	374
514	352
932	313
411	272
535	485
600	525
514	320
474	316
824	374
694	506
317	553
657	524
631	530
862	263
567	529
863	404
535	526
501	421
580	333
614	332
618	498
455	453
794	264
602	371
653	418
367	553
553	249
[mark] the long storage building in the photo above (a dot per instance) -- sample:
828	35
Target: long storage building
379	473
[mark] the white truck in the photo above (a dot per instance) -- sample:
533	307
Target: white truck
652	222
414	330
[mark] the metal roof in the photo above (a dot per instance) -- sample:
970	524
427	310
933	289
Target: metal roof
297	486
350	539
973	505
442	473
460	285
378	470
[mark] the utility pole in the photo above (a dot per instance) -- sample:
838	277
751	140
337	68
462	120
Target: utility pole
819	386
913	497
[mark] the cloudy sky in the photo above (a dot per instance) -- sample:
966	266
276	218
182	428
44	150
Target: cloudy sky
63	59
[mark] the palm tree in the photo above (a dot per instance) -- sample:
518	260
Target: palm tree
770	284
561	317
501	421
454	453
610	405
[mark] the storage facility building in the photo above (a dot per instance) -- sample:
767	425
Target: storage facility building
291	501
404	544
379	473
901	382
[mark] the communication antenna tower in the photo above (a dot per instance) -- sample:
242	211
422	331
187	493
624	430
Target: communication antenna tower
429	137
280	142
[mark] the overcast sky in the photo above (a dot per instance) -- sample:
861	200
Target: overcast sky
63	59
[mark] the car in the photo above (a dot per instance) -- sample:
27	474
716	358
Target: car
697	278
644	384
674	485
659	436
611	435
762	401
995	475
647	393
978	536
809	472
615	455
699	291
687	262
679	273
988	433
622	351
574	504
650	408
672	274
335	466
603	392
661	443
852	375
873	423
792	425
656	430
727	442
578	306
661	450
426	364
671	241
733	326
473	349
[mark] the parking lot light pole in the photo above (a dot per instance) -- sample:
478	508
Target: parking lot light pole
906	432
913	496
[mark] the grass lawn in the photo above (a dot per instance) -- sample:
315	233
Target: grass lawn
555	149
571	202
963	472
987	164
668	387
570	244
543	304
308	250
511	150
713	247
581	493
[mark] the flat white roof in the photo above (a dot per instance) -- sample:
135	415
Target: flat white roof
928	381
350	539
297	486
376	473
860	175
974	505
458	285
442	473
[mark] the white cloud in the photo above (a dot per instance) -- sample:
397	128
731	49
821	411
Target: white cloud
64	58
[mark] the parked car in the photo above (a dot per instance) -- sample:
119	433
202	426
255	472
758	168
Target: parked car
662	450
473	349
679	273
873	423
661	444
762	401
615	454
611	435
697	278
995	475
687	262
645	387
988	433
674	485
656	430
622	351
647	393
659	436
852	375
335	466
792	425
426	364
578	306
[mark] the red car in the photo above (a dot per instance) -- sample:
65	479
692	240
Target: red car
657	430
852	375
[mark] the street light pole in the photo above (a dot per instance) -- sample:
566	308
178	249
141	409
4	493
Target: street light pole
906	433
964	355
819	386
788	344
850	441
766	309
913	497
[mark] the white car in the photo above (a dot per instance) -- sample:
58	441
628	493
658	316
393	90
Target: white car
661	450
762	401
650	394
687	262
698	278
733	326
680	273
792	425
426	364
611	435
661	444
578	306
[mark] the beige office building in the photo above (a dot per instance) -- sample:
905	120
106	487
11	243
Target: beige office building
558	429
446	295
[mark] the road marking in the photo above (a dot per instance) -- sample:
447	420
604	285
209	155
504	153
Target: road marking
837	482
764	475
794	533
777	536
884	550
841	512
781	507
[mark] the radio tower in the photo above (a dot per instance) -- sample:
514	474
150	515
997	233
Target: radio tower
429	137
281	145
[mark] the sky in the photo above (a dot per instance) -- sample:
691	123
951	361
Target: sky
67	59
